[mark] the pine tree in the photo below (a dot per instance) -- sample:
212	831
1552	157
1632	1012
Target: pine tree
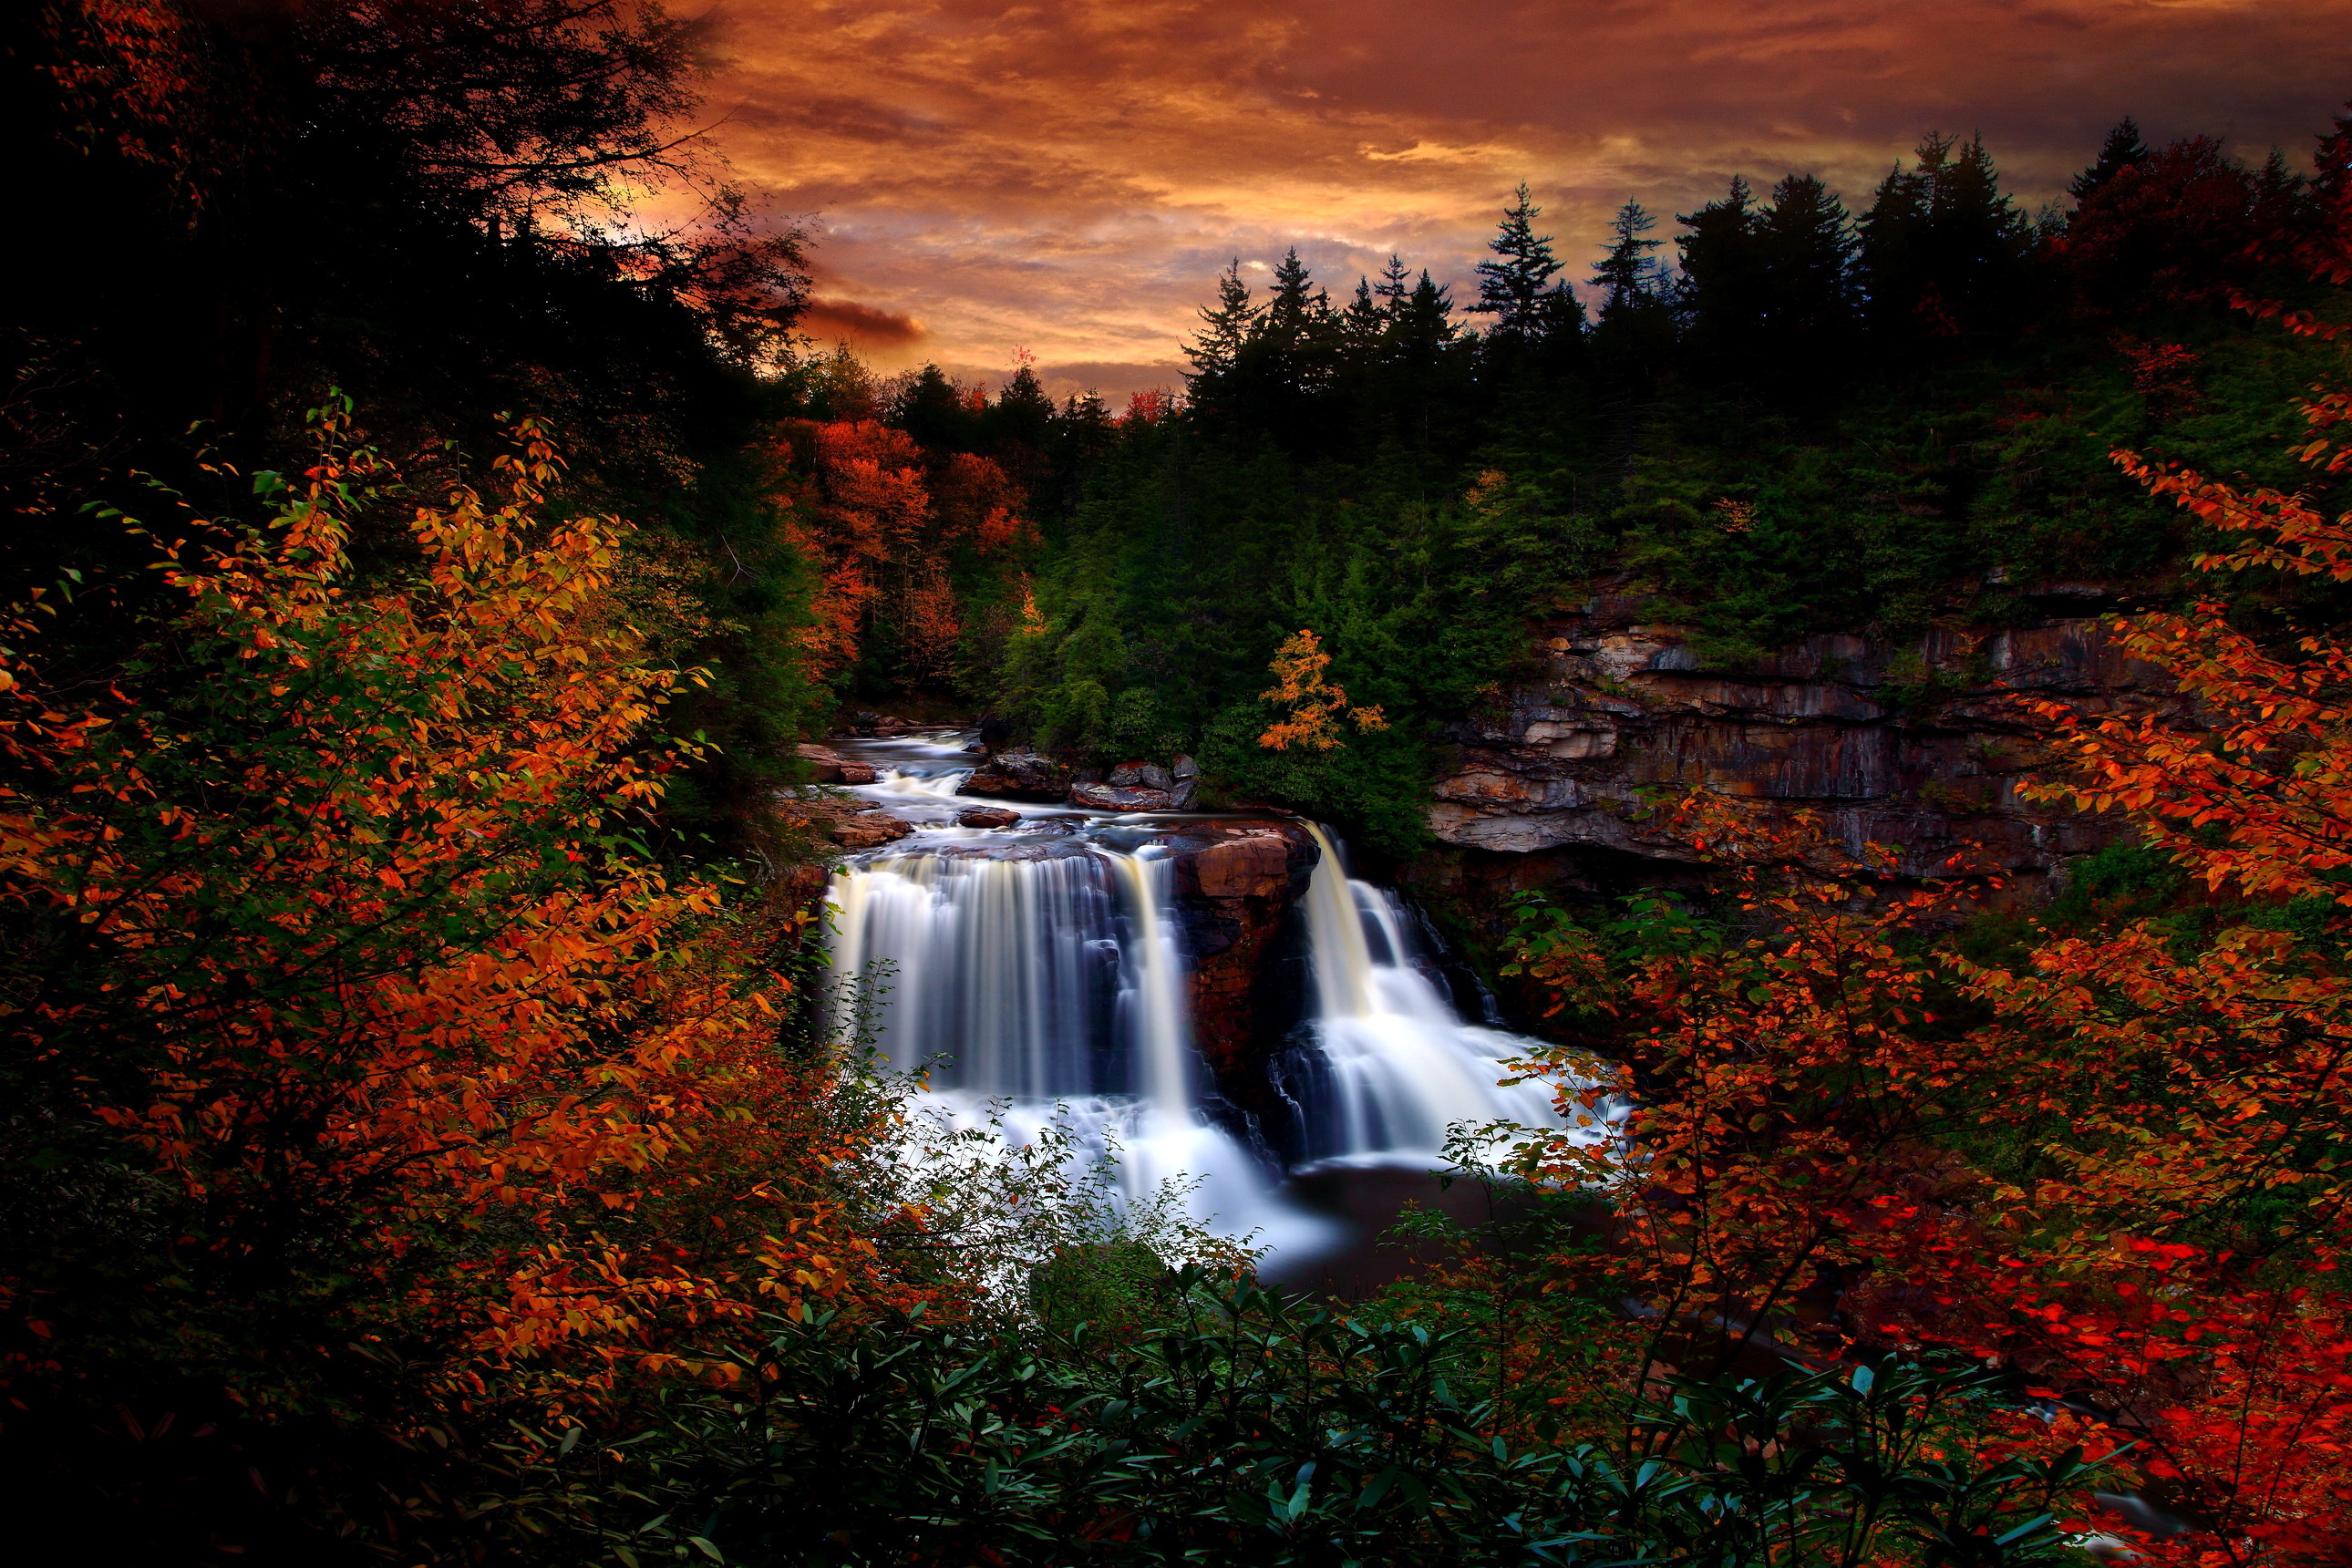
1627	277
1022	415
1627	274
1943	249
1723	276
1217	349
1513	287
1296	309
1363	325
1808	246
2122	150
934	410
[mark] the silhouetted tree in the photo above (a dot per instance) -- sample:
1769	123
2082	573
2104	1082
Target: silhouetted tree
1943	250
1635	328
2122	150
1724	280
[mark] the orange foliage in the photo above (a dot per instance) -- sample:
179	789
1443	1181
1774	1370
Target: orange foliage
130	76
1316	705
882	521
2159	1238
360	932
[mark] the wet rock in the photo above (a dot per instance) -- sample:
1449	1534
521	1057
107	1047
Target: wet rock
1181	797
987	817
1257	866
1113	797
869	830
1145	775
888	726
1185	768
1237	884
832	767
1019	775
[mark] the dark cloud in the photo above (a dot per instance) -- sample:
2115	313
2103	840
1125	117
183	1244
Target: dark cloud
1069	175
828	320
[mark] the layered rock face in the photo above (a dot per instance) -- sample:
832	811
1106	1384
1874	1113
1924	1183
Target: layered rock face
1921	746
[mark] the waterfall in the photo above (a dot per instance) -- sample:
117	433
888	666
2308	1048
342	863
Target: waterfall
1045	981
1392	1065
1039	975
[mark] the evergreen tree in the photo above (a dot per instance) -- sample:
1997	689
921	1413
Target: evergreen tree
1422	320
1627	277
1943	249
1217	349
934	410
1810	315
1364	323
1018	429
1021	411
1297	309
1723	277
1291	359
2122	150
1634	335
1517	287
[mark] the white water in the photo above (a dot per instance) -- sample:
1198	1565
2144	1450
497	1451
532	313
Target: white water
1038	973
1398	1067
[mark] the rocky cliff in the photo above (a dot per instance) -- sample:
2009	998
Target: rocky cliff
1920	745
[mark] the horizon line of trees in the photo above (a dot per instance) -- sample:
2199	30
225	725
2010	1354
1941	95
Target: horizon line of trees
1789	299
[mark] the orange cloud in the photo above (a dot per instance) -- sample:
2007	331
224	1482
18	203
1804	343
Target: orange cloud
1070	175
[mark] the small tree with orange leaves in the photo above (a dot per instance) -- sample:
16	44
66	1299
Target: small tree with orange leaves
1316	706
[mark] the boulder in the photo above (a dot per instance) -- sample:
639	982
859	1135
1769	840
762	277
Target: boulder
1185	768
1145	775
1112	797
986	816
1019	775
1181	797
869	830
832	767
1253	867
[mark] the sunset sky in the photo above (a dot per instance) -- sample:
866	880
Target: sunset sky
1068	176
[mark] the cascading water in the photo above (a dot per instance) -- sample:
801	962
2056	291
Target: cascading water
1393	1065
1040	974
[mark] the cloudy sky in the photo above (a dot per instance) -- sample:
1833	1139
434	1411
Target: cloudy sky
1068	177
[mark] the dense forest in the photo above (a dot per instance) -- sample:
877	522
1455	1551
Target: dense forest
420	1138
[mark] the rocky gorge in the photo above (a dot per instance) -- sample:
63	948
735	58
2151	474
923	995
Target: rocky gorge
1921	746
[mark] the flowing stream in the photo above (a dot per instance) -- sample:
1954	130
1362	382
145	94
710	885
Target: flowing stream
1039	972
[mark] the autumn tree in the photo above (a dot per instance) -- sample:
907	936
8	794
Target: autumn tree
362	1069
888	525
1315	705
